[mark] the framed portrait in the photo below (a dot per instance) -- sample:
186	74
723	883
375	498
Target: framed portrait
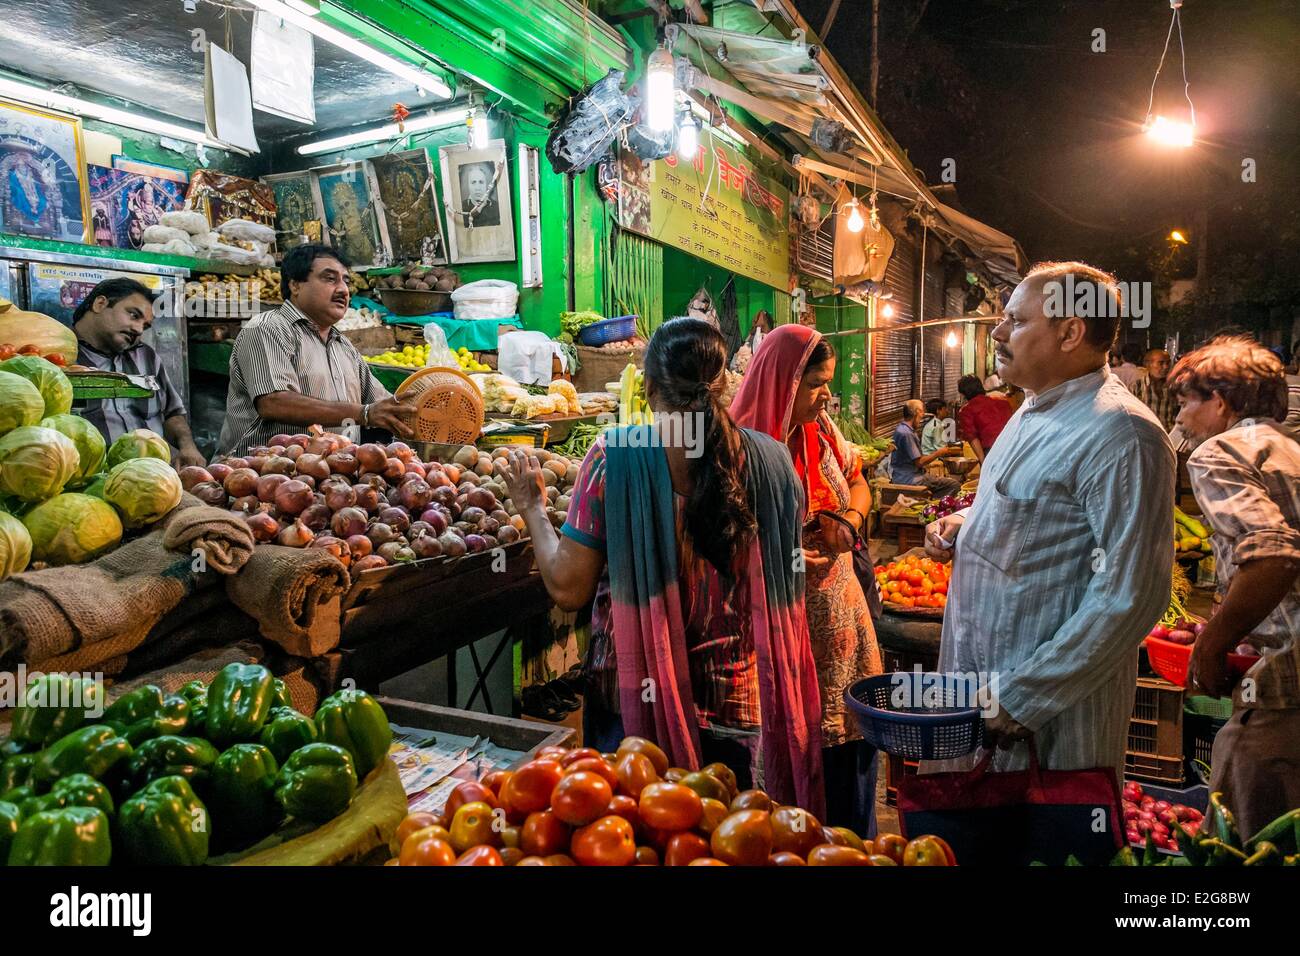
408	208
476	202
295	206
124	204
345	194
43	188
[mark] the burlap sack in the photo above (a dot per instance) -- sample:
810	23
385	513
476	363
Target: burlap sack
223	537
295	595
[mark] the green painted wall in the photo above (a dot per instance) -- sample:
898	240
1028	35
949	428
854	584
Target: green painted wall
835	314
684	274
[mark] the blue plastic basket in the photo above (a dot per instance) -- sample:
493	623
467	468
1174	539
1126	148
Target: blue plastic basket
917	716
608	330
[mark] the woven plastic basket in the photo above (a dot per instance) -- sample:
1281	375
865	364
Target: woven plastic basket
917	716
1170	660
448	406
609	330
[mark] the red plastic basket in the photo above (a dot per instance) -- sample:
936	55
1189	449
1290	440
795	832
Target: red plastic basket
1170	660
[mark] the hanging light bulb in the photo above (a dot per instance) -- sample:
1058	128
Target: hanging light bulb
887	311
951	340
1162	129
856	223
660	90
688	136
477	123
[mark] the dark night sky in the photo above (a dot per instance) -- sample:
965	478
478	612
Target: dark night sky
1045	132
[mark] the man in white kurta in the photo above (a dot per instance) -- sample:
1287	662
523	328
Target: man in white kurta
1064	561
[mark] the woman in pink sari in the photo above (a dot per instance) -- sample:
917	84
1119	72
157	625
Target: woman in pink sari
784	395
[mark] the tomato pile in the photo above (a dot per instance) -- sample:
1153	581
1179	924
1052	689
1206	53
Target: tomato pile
1145	814
914	581
8	351
630	808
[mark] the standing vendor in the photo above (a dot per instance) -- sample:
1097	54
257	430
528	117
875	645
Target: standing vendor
291	368
110	324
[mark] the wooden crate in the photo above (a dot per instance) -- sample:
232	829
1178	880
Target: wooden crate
1156	727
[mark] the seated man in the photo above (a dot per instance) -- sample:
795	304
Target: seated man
908	460
939	429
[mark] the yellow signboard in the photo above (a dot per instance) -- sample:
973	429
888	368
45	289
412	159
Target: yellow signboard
716	207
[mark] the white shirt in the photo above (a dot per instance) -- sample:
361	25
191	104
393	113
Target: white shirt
1128	373
1062	566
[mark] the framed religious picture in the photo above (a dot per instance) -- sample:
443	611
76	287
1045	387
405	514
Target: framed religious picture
124	204
295	207
409	206
476	202
223	197
43	188
345	195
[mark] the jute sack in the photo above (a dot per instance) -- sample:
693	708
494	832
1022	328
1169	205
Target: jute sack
294	593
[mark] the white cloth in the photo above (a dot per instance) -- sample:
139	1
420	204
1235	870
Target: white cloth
526	357
1062	566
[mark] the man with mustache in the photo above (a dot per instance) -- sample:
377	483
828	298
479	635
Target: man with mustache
110	324
1064	561
291	368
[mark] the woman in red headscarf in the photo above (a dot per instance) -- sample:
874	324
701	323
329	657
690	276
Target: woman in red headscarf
784	394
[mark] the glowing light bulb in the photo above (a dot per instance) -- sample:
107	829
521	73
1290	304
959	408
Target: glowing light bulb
688	137
951	340
1169	132
1178	237
856	223
477	122
660	90
887	311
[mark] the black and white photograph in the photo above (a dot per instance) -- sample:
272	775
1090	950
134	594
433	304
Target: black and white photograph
476	200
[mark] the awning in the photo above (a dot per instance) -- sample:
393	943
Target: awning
1001	254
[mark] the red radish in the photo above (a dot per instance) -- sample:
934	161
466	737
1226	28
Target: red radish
293	497
347	522
360	545
192	475
241	482
220	472
210	493
296	535
1130	813
1160	806
267	486
263	526
1159	631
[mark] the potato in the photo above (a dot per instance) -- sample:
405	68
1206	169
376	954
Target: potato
571	474
562	503
552	493
413	284
484	467
467	457
445	284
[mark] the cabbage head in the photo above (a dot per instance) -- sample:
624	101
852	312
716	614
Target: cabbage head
89	442
54	386
72	529
141	443
20	403
142	490
35	463
15	546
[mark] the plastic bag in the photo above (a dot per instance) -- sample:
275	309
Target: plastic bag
485	299
179	247
204	240
247	231
243	257
440	354
187	219
164	234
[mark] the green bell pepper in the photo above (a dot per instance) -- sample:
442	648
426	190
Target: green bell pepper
281	697
78	790
52	706
286	730
164	824
171	719
239	701
353	720
11	748
134	705
16	771
169	756
9	820
17	796
73	836
316	783
196	692
93	750
242	792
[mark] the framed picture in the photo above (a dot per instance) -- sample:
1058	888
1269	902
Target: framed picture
43	189
476	201
156	170
124	204
345	194
408	208
295	204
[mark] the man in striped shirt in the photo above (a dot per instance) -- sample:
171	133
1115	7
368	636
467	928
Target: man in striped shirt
1064	561
1153	388
291	368
1246	477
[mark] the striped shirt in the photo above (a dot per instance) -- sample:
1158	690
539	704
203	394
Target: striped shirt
116	416
1292	402
282	351
1247	483
1062	566
1159	398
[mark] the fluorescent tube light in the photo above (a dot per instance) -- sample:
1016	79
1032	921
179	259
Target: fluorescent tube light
415	124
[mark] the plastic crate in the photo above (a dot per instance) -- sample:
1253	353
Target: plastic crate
1148	767
618	329
1156	727
1203	718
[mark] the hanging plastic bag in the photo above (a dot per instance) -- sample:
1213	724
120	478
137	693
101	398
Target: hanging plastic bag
440	354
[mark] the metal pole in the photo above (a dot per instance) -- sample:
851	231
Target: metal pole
875	50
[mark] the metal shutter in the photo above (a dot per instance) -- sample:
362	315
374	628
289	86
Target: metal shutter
953	356
932	380
814	249
891	354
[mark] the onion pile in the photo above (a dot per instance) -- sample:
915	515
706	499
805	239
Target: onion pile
374	505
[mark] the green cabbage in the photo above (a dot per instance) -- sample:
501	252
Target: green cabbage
15	546
141	443
142	490
96	486
20	402
89	442
72	529
54	386
35	463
